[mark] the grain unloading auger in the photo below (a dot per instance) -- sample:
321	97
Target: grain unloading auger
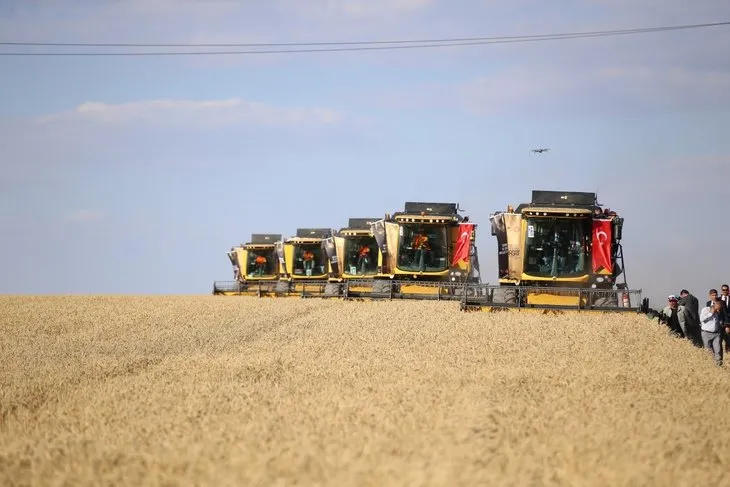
561	251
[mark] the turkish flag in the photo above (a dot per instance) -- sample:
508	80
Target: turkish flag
461	252
602	245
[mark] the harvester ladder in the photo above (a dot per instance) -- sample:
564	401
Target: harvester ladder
475	263
620	257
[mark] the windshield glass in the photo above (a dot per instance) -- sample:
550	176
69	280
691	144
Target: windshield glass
309	260
260	262
361	256
556	247
423	248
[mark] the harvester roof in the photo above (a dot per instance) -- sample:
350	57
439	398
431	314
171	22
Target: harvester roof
563	198
441	209
566	202
264	238
428	212
310	235
262	241
357	227
360	223
314	232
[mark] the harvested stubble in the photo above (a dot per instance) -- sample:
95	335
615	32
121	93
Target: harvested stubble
245	391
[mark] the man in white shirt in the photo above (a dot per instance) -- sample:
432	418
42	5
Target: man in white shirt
711	322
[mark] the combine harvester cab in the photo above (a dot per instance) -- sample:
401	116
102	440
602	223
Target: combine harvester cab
562	251
255	267
357	250
429	251
303	265
356	261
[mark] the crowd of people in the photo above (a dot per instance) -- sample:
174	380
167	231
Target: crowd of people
707	327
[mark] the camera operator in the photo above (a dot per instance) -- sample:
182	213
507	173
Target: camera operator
712	321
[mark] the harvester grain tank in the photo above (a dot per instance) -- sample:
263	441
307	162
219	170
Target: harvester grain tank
563	250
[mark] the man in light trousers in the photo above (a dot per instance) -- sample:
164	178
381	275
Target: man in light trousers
711	323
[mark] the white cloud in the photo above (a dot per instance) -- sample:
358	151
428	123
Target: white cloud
206	113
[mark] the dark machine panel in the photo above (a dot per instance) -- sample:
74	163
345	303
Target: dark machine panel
430	208
314	232
265	238
563	198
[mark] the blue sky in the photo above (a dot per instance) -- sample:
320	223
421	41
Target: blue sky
135	175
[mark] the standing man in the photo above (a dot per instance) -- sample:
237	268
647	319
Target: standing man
723	314
725	298
260	265
692	307
363	260
308	261
422	246
675	317
711	322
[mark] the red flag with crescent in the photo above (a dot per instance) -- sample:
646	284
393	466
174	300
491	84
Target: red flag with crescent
461	250
602	245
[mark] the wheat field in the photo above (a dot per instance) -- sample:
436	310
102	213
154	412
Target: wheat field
243	391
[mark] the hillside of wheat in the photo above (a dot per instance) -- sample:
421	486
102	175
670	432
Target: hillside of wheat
245	391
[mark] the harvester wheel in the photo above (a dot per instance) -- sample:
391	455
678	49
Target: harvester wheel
381	287
332	289
609	299
510	296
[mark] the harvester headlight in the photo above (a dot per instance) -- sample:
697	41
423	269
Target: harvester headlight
599	279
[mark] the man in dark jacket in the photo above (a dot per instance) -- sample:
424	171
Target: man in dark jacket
692	307
725	298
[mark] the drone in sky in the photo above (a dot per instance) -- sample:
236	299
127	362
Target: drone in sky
540	151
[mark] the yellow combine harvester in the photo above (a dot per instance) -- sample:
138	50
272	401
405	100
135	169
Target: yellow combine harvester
303	266
561	250
428	250
255	266
356	251
354	258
